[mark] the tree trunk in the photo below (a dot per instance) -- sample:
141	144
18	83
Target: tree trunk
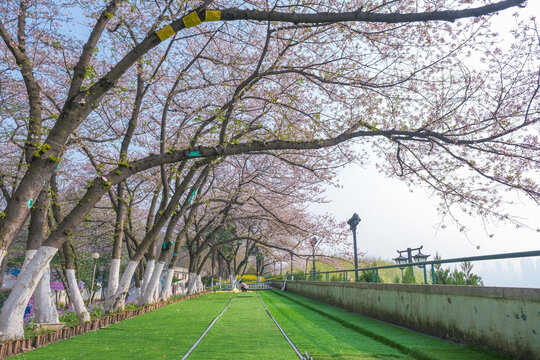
114	275
11	317
3	265
73	286
194	283
148	296
147	275
166	293
3	258
157	291
232	279
114	272
44	306
116	302
76	297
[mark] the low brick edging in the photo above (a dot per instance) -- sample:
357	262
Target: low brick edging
16	347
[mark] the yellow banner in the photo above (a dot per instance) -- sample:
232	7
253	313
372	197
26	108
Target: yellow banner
191	20
165	33
213	15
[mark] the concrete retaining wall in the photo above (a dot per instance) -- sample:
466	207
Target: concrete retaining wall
506	320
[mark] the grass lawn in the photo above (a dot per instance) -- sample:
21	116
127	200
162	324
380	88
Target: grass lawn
168	332
415	344
323	337
245	331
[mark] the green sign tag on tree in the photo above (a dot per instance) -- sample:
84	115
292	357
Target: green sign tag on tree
192	195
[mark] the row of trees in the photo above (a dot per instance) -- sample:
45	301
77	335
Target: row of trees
215	136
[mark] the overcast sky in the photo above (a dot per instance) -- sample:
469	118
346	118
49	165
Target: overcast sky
394	218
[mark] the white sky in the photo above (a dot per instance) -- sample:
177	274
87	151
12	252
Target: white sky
394	218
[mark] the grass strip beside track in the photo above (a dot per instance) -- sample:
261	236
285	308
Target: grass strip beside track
417	345
168	332
282	331
323	337
206	331
245	331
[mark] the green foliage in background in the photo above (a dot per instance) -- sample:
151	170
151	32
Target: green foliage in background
465	276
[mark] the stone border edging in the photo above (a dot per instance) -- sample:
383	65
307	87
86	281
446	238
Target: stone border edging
16	347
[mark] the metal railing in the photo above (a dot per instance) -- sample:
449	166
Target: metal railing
373	271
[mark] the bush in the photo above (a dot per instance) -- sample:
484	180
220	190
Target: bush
250	278
368	276
70	318
408	277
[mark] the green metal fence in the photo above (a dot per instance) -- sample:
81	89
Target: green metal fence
372	273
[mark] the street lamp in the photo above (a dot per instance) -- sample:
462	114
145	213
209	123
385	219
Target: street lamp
353	222
313	242
400	260
419	257
95	256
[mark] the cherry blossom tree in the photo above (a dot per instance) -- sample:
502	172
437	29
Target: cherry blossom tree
277	80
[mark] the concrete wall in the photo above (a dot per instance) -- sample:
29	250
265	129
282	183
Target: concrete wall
506	320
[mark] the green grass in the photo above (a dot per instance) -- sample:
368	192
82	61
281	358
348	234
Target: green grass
244	331
323	337
417	345
168	332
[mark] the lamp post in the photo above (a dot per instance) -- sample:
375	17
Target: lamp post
353	222
95	256
419	257
313	242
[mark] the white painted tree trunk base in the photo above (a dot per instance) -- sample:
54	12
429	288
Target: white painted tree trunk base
147	275
194	283
12	315
3	254
116	302
44	306
76	297
149	296
29	255
232	280
114	276
166	293
157	291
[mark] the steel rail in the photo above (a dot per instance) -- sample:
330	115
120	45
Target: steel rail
302	357
206	331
